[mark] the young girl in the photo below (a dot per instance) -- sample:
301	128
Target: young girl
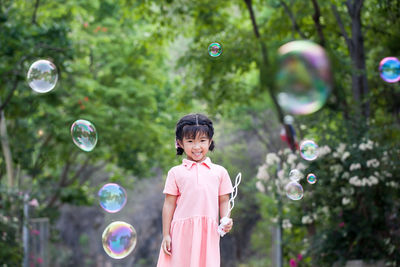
195	192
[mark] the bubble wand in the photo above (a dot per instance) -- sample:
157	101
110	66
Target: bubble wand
225	220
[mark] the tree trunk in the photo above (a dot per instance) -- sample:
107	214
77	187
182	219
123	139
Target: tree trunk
6	150
359	78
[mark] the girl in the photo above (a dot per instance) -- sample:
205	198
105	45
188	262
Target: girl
195	192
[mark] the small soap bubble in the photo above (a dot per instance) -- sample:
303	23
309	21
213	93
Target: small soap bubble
295	175
303	78
311	178
215	49
389	69
112	197
309	150
42	76
294	190
119	239
288	119
84	135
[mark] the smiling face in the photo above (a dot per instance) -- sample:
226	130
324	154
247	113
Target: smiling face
196	149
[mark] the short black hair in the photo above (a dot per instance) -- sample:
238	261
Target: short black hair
189	126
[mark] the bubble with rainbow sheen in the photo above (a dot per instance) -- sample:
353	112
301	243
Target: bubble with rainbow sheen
389	69
119	239
112	197
309	150
84	135
42	76
214	49
303	78
295	175
294	190
311	178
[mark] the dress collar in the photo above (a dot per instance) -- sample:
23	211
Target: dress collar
189	163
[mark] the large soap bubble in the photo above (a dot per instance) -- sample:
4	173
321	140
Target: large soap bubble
294	190
389	69
303	79
112	197
119	239
309	150
42	76
84	135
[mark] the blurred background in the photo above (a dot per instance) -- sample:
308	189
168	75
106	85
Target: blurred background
133	68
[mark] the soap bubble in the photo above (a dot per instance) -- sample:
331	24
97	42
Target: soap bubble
294	190
288	119
42	76
309	150
389	69
303	79
214	49
119	239
112	197
84	135
311	178
295	175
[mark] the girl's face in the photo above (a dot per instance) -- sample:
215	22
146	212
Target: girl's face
196	149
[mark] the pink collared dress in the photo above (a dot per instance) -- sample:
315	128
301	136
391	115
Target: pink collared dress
194	236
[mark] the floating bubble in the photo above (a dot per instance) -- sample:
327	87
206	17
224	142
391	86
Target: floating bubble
112	197
288	119
303	79
311	178
215	49
389	69
119	239
42	76
309	150
84	135
294	190
295	175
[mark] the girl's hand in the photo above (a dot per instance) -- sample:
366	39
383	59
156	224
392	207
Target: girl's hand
228	226
166	244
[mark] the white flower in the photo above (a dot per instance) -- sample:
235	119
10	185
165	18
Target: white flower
362	147
387	174
355	166
345	201
373	162
281	174
274	220
291	158
260	186
287	151
272	159
262	173
345	155
301	166
373	180
336	169
306	219
286	224
341	148
324	150
345	175
303	127
355	181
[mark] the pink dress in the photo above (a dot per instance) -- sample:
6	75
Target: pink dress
194	236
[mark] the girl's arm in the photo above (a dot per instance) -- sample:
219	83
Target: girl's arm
223	210
223	205
167	214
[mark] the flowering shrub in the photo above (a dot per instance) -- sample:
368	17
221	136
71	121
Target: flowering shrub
352	210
